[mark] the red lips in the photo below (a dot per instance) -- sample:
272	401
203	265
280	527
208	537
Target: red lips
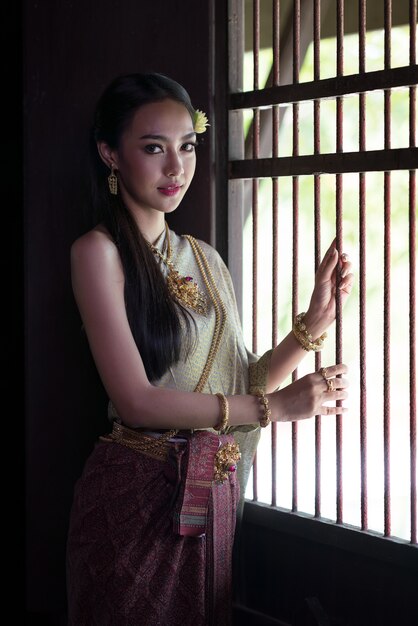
170	191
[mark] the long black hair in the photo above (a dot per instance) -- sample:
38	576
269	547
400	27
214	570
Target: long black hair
155	319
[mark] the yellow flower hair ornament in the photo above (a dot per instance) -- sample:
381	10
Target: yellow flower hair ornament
200	121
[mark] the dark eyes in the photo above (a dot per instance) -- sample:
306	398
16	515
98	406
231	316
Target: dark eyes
154	148
189	147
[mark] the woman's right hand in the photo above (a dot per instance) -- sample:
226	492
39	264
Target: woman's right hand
307	396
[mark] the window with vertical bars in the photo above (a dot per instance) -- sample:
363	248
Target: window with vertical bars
322	145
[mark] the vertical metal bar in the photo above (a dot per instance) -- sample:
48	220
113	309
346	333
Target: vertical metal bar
295	203
412	31
256	42
412	281
256	151
362	263
296	40
339	236
276	74
386	355
412	352
235	130
255	257
275	218
388	27
387	277
317	235
295	207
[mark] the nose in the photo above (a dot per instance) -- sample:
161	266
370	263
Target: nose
174	164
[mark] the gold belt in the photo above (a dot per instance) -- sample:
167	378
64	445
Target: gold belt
225	458
156	447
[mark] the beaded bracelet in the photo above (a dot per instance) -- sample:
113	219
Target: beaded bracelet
304	337
266	419
221	426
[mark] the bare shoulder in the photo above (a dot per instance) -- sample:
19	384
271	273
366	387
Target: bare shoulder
95	252
96	243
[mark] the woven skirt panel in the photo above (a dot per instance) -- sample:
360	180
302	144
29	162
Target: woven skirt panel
125	564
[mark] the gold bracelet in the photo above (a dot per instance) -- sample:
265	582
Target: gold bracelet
266	419
304	337
221	426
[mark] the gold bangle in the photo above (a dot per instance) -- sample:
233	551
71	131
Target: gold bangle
266	419
221	426
304	337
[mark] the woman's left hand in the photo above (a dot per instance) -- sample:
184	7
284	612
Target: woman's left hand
334	272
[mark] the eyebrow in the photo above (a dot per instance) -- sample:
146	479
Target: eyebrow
163	138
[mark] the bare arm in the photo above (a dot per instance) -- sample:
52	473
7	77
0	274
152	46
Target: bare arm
320	314
98	285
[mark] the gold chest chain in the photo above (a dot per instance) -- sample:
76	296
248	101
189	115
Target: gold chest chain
187	292
182	288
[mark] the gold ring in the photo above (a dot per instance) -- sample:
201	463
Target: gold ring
330	384
323	372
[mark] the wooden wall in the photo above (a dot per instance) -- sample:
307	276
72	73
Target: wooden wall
303	572
71	51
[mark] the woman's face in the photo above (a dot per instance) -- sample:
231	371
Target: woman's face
156	157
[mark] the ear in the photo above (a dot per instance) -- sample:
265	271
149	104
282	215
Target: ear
106	153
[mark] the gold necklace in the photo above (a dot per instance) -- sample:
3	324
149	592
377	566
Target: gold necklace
182	288
220	309
220	320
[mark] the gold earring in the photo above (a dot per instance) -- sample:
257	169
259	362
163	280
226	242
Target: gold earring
113	181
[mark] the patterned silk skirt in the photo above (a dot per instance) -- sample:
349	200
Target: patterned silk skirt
127	564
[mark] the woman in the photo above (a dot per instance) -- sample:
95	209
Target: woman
153	517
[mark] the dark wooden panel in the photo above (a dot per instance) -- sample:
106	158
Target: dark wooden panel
326	88
357	578
367	161
72	49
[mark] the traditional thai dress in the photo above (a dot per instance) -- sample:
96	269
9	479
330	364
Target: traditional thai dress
152	525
